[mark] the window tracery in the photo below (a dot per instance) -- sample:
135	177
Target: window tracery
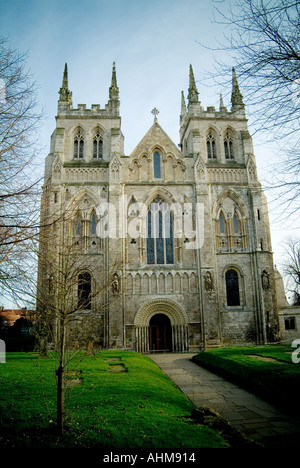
160	243
228	146
78	145
98	146
211	146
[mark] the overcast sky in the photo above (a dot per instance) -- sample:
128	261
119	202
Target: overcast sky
153	43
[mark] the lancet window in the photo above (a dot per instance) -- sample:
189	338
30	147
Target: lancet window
78	145
98	146
84	290
160	225
228	146
211	146
157	165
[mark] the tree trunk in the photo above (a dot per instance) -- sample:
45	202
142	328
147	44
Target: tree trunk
60	399
60	380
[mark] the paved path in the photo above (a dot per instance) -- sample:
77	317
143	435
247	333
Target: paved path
252	416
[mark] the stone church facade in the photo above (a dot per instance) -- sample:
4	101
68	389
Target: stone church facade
180	232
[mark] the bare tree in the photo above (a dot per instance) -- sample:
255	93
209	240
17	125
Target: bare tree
19	179
262	42
74	289
291	268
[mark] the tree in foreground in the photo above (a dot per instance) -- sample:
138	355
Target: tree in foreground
264	45
19	181
74	289
291	265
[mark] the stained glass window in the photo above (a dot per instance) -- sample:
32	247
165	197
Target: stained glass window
160	248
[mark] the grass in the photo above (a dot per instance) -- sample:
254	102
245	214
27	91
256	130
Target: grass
267	371
138	408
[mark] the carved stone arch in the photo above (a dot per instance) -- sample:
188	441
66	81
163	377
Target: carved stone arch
229	139
172	309
82	194
158	192
159	148
239	202
212	142
211	127
96	128
228	129
235	267
78	127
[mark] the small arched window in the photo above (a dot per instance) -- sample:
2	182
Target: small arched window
211	147
236	224
78	145
222	224
98	146
78	227
156	165
232	288
84	291
228	147
93	224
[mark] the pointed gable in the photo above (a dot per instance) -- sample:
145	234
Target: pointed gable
156	137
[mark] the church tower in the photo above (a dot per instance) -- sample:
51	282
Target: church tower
165	249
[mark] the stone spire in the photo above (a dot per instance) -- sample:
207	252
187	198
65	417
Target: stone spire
236	96
65	95
222	107
114	90
114	103
183	106
193	92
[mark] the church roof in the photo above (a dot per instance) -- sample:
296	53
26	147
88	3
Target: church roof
156	137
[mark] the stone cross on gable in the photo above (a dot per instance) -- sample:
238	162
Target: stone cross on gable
155	112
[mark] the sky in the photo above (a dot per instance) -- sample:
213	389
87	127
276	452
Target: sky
153	43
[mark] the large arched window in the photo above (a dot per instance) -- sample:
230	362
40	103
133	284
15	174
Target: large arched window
232	288
211	146
160	244
84	290
98	146
78	145
156	165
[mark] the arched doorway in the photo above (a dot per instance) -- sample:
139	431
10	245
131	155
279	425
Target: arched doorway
160	333
161	324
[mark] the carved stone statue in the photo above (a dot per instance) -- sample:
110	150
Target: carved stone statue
208	282
265	280
115	283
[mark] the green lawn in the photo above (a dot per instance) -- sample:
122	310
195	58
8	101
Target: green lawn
140	407
266	370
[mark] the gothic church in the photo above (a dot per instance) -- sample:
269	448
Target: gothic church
180	232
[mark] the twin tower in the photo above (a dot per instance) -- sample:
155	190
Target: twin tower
165	249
